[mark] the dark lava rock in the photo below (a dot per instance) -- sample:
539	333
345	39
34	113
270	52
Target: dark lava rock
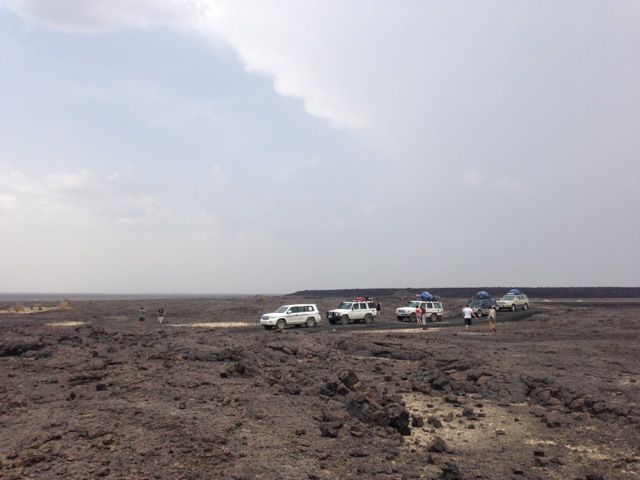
438	445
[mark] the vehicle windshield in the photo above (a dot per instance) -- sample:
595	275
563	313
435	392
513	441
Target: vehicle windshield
346	305
509	297
282	309
413	304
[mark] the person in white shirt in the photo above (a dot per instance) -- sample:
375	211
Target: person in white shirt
467	313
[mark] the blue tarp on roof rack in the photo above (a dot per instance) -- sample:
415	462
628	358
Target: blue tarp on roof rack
427	296
482	294
514	291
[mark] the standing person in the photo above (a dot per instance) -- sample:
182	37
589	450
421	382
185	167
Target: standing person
467	313
160	315
142	316
378	310
419	315
492	318
423	314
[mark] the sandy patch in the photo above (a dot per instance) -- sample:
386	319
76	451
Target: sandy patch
28	310
401	330
213	324
66	324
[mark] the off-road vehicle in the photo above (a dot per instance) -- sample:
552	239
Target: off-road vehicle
433	311
512	301
297	315
480	306
355	311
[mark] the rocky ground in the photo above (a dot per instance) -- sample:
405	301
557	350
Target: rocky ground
86	393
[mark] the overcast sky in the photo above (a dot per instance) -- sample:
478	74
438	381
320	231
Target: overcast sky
269	146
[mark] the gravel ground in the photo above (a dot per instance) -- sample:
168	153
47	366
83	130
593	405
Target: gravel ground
85	392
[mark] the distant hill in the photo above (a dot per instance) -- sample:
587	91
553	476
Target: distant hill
533	292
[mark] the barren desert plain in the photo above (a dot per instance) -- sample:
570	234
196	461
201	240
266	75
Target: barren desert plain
86	392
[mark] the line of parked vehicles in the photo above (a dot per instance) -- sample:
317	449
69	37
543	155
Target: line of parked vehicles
363	310
513	300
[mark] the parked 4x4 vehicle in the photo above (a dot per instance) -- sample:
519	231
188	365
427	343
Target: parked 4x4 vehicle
353	311
434	311
306	314
513	301
480	306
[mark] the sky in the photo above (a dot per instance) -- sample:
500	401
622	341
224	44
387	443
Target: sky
271	146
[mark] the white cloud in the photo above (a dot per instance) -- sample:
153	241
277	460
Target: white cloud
218	175
68	181
58	196
15	180
9	202
496	182
99	16
474	178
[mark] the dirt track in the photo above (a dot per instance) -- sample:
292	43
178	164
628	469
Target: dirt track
86	393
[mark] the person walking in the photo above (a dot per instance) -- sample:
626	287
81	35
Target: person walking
492	318
161	315
378	310
142	316
468	314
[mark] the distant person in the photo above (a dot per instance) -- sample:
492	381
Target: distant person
492	318
142	316
419	315
161	315
423	315
378	310
468	314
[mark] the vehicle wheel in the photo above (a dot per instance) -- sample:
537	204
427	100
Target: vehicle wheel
412	317
344	320
513	307
311	322
479	313
368	318
434	317
525	306
280	324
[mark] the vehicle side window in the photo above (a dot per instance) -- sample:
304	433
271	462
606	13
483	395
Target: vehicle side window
371	305
363	306
356	306
292	310
429	305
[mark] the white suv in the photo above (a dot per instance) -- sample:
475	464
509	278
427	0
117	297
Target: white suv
512	301
291	315
433	311
354	310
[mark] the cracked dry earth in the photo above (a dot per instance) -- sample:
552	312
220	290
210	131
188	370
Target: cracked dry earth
85	393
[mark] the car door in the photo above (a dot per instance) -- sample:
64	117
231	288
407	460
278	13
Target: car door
293	315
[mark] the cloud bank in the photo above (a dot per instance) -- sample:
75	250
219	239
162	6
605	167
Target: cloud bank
434	130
